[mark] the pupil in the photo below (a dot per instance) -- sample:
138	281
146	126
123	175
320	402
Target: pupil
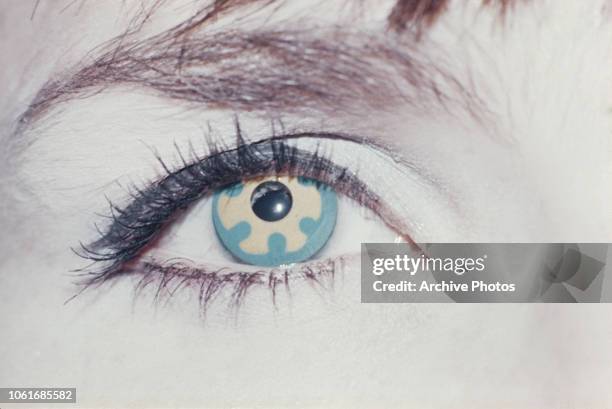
271	201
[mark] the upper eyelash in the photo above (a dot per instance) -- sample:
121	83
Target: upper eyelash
151	208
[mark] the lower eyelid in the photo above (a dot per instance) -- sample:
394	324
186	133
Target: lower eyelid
186	267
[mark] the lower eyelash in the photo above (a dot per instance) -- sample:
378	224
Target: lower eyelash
175	275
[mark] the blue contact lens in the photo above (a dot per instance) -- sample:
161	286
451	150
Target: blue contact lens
275	220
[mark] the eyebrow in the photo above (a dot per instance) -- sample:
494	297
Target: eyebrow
267	70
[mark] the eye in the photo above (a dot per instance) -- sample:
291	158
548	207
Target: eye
275	210
275	221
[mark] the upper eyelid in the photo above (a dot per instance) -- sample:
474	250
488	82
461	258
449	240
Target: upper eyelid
388	151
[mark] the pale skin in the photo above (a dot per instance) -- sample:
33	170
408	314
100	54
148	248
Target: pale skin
535	167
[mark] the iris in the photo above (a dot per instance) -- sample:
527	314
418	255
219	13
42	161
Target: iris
275	220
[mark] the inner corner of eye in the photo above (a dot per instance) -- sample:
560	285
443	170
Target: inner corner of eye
275	220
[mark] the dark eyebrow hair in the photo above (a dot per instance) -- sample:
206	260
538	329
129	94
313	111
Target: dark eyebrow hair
418	12
421	14
266	70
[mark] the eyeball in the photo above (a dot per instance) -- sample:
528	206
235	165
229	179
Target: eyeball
275	220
